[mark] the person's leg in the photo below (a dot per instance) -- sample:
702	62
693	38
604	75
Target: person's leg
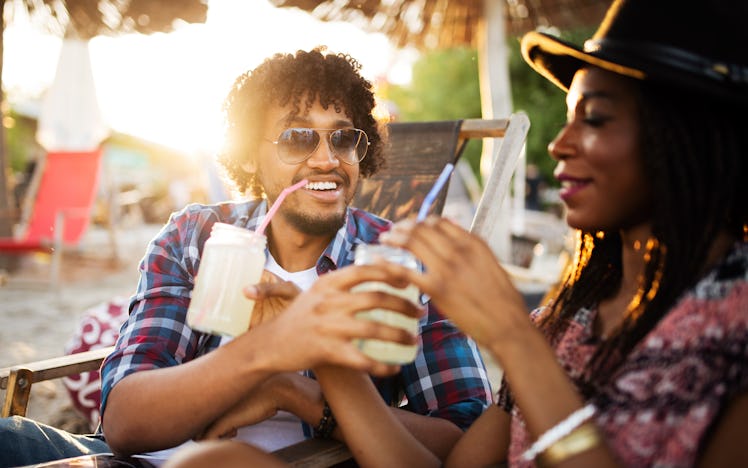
223	453
26	442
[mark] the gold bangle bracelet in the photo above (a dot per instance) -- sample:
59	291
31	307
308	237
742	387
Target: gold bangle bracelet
579	440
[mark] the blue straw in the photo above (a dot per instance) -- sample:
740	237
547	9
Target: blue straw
431	196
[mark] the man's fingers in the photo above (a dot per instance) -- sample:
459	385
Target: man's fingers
345	278
353	358
361	328
357	301
218	430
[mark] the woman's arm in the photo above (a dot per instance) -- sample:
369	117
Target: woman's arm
726	446
369	427
486	443
466	282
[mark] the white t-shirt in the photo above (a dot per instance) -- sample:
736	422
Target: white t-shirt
284	428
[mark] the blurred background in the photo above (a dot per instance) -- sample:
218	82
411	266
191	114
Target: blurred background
158	71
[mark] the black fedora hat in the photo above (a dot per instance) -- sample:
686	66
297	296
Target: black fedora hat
699	45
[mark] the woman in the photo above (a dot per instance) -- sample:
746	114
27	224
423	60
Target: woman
641	359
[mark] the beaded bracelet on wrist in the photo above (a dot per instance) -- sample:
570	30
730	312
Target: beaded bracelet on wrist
327	423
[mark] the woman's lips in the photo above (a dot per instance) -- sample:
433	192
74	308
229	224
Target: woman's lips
570	186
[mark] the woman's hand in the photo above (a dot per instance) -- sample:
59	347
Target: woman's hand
462	276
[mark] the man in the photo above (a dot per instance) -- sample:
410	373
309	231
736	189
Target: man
303	116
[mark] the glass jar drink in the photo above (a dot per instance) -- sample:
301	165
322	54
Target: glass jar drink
233	258
386	351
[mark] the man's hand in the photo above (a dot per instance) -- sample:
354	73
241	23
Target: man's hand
256	407
272	295
319	326
287	391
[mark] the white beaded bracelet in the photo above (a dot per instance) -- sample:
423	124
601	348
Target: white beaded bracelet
563	428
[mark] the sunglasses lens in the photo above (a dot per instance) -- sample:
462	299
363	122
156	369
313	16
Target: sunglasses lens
349	144
295	144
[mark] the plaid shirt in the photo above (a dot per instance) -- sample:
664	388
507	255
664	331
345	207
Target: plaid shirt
447	378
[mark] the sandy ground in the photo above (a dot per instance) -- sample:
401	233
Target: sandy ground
36	321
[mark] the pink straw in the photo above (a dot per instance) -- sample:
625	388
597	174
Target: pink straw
277	203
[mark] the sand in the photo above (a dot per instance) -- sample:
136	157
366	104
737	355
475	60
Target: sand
36	320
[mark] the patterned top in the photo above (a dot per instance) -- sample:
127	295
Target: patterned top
659	407
447	379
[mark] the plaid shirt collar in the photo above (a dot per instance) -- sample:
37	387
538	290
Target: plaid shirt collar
339	252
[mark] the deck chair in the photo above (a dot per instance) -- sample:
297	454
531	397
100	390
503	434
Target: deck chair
58	208
417	155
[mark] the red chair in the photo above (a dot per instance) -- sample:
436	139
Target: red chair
62	198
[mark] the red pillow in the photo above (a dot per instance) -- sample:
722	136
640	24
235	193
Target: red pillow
99	328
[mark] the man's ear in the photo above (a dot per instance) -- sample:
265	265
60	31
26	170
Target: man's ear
249	166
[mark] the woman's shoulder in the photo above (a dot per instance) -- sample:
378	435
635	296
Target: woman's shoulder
721	296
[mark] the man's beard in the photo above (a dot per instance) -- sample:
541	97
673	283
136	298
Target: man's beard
315	225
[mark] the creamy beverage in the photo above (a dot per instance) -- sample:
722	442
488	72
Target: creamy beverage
385	351
232	259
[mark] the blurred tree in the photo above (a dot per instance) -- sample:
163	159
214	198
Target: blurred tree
445	86
543	102
87	19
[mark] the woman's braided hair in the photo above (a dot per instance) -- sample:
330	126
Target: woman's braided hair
694	152
298	80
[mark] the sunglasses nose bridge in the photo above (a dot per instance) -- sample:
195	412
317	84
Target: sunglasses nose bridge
328	153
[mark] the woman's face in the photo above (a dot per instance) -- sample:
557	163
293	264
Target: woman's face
598	153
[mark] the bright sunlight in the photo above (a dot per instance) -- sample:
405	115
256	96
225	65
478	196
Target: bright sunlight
168	88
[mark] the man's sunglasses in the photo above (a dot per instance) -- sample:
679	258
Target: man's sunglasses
296	145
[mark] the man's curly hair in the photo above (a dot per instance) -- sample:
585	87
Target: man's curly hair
299	81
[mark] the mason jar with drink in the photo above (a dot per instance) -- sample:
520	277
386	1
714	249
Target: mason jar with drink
233	258
387	351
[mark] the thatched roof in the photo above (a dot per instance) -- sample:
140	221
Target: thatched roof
428	24
90	18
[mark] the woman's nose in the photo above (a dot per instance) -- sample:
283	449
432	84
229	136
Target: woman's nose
562	146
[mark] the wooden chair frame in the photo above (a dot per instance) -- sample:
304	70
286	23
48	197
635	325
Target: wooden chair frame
17	380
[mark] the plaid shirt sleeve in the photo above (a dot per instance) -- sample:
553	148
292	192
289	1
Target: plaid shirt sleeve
156	334
448	378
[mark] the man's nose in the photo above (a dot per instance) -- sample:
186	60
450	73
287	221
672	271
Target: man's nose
323	156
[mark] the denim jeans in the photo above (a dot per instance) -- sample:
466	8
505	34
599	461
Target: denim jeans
26	442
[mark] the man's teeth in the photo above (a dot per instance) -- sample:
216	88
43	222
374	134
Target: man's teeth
321	186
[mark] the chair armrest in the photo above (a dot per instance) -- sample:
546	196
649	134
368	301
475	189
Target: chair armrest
17	380
313	453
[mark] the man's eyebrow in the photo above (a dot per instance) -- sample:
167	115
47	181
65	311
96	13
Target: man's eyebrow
298	120
289	119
